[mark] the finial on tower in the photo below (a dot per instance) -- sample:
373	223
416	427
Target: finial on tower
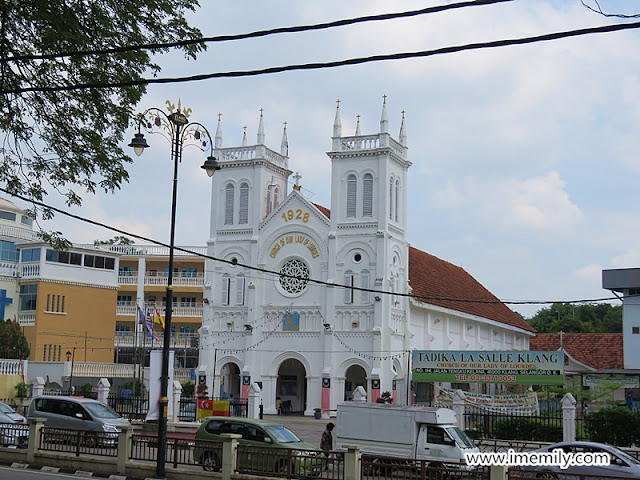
403	132
244	136
284	146
218	140
357	125
337	123
261	138
384	120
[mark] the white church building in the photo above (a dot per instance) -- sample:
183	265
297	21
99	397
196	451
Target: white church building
310	343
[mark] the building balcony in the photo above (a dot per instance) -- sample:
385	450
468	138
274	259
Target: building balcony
119	370
178	310
30	270
9	269
27	319
179	280
128	340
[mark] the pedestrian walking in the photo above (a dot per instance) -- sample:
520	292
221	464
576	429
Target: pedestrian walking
326	441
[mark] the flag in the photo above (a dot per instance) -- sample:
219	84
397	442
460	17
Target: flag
158	319
149	324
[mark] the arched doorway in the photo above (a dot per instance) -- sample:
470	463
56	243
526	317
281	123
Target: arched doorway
229	381
355	377
291	386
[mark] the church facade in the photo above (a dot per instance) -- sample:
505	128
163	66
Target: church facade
340	298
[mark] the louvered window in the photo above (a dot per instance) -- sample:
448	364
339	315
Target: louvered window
352	186
269	200
240	290
244	204
348	292
391	198
226	287
364	283
367	195
228	205
275	197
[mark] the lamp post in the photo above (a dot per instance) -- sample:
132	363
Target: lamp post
177	125
73	357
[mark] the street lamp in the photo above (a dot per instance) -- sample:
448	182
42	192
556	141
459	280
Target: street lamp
177	125
72	357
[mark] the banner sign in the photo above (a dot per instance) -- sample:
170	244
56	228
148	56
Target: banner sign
291	322
597	380
216	408
483	366
523	404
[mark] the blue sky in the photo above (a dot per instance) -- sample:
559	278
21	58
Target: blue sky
525	158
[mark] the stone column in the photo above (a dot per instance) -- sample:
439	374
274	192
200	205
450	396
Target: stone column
229	450
37	388
253	407
103	391
177	393
458	407
35	425
352	462
124	447
568	418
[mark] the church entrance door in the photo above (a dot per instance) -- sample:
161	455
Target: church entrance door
355	377
291	386
230	381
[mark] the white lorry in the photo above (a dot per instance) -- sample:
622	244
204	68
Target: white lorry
421	433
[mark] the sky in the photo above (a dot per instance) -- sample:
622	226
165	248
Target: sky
525	158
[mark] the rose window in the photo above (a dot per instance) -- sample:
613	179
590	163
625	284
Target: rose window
298	269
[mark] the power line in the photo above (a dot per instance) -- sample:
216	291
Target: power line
333	64
599	11
318	282
258	33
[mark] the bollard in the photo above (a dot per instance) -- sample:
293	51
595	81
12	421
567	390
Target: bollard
261	410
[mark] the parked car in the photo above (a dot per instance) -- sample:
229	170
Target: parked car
288	453
13	427
79	413
622	465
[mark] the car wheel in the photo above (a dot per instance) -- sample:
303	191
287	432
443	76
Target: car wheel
209	462
547	476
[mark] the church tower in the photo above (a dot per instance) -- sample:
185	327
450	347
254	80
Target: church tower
368	235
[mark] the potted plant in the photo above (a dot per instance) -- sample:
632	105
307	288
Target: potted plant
317	413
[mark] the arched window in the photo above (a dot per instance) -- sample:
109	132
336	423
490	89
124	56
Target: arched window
228	204
364	283
240	289
226	289
367	195
269	206
352	187
397	198
276	193
391	198
348	292
244	204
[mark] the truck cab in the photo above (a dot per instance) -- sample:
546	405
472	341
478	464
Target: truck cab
442	443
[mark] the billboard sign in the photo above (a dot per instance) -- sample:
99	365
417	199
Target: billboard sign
484	366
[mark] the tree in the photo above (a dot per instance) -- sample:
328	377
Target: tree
117	240
69	141
569	318
13	343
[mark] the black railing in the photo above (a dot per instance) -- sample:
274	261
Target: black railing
132	407
189	408
546	427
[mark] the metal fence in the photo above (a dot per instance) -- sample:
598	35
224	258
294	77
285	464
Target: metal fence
382	468
80	442
545	427
189	408
131	407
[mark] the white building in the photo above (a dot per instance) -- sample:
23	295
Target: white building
308	343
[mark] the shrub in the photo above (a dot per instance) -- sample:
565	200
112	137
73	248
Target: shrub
22	390
188	388
86	390
614	425
523	428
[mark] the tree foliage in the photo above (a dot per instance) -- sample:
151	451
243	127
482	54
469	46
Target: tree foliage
13	343
70	141
117	240
569	318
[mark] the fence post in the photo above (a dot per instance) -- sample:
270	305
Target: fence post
35	426
124	447
103	391
498	472
458	407
352	462
229	453
177	393
253	407
37	388
359	394
568	418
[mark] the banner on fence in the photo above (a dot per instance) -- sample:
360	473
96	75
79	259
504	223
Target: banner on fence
155	369
209	408
522	404
597	380
532	368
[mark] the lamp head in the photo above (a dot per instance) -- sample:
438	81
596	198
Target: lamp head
211	165
138	143
68	354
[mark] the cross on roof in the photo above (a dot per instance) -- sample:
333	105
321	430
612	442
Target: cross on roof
384	99
219	116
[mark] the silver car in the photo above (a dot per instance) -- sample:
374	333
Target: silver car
14	431
622	465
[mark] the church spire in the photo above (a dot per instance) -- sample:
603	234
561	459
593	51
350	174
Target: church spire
218	139
284	146
337	124
244	137
261	139
358	125
384	120
403	132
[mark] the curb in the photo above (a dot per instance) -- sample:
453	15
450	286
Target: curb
68	471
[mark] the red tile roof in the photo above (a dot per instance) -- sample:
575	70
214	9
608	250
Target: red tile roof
602	351
433	279
436	282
